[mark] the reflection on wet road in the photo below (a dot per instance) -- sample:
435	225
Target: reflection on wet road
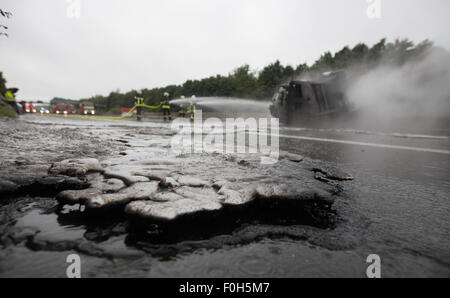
364	144
403	192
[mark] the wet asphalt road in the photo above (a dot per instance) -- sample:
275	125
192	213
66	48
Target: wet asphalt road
399	204
398	207
403	194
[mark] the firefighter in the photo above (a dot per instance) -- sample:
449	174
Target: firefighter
182	111
24	106
11	99
138	101
192	108
165	106
282	94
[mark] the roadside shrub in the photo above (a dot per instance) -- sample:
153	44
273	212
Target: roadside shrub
7	111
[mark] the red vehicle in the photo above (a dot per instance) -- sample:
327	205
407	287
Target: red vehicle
63	108
31	108
27	107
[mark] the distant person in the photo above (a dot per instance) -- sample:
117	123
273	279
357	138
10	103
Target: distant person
31	107
182	111
24	106
192	108
138	101
165	106
282	94
11	99
192	111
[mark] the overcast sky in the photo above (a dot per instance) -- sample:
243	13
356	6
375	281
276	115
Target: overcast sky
134	44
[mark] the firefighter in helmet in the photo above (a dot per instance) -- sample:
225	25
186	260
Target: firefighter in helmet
11	99
165	106
192	108
138	102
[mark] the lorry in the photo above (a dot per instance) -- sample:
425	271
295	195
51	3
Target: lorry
63	108
87	108
306	101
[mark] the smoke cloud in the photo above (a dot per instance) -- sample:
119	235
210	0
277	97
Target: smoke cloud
415	90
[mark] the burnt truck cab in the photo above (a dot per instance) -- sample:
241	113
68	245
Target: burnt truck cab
306	101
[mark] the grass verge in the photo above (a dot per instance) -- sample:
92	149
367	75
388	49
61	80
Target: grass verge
7	111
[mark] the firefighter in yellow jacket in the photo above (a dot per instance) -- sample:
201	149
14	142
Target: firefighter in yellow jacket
138	101
165	106
192	108
182	110
11	99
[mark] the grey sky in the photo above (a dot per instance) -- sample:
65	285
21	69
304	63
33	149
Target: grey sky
144	44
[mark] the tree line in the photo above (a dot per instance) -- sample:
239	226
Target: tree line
243	82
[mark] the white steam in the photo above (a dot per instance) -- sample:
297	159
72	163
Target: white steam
415	89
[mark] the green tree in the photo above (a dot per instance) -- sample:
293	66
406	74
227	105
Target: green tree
343	58
359	53
2	84
270	77
325	62
243	81
375	53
